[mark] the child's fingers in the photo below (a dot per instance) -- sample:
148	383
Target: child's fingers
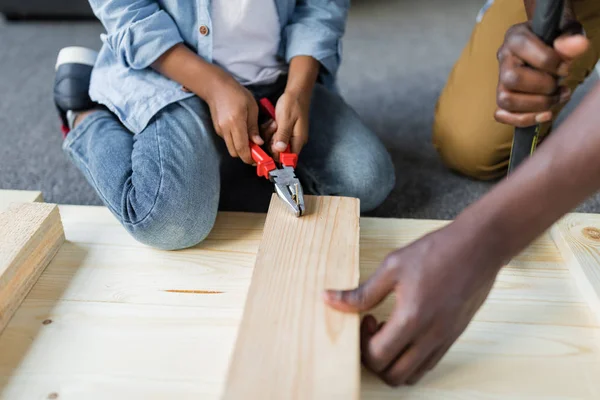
240	140
283	134
252	123
229	143
300	136
268	129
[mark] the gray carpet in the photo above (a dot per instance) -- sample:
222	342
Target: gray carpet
397	55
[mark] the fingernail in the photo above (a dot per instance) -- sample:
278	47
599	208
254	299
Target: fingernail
565	95
273	125
258	140
331	295
280	146
563	69
501	113
543	117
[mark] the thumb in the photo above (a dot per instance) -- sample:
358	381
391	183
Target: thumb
571	47
368	295
283	134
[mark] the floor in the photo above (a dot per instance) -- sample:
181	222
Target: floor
397	55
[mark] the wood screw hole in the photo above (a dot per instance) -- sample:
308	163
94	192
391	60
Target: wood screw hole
53	395
47	322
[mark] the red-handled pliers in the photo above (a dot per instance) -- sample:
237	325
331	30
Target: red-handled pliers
287	185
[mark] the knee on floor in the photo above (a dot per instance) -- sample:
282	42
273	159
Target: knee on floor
465	149
371	180
175	227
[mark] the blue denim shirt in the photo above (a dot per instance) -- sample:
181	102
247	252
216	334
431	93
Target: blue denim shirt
140	31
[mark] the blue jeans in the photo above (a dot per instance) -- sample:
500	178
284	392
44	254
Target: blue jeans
163	184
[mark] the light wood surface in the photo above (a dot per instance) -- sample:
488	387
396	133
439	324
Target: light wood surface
578	238
534	338
290	345
127	322
18	196
30	236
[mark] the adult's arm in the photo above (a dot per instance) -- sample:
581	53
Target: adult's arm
442	279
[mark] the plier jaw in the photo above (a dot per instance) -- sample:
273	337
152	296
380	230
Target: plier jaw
288	189
287	185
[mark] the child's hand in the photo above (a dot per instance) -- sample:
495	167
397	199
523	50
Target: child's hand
234	113
292	112
267	130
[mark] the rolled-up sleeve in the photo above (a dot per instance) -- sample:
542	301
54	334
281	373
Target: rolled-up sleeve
316	29
138	31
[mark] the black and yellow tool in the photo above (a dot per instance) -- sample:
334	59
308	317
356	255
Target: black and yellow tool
546	25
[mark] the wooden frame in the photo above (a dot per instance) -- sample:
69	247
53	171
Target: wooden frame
110	318
578	238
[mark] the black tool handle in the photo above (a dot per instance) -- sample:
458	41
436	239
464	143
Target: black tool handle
546	25
546	20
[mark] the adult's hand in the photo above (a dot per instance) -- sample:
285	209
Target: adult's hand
440	281
531	73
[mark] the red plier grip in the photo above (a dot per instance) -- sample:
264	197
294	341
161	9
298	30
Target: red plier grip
287	158
264	162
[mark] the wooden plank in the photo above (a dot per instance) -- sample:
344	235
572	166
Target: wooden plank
31	235
103	296
290	345
578	238
18	196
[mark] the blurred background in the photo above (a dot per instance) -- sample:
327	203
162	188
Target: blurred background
397	56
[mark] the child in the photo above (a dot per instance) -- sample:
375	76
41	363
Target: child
174	89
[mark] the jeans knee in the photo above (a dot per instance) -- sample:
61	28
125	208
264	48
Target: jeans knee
175	228
371	183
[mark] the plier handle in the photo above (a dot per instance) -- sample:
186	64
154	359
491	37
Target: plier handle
287	185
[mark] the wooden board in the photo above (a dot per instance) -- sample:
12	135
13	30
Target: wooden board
290	345
534	338
31	234
123	321
18	196
578	238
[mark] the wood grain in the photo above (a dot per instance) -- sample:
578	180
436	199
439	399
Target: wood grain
290	345
31	234
534	337
8	197
578	238
99	324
